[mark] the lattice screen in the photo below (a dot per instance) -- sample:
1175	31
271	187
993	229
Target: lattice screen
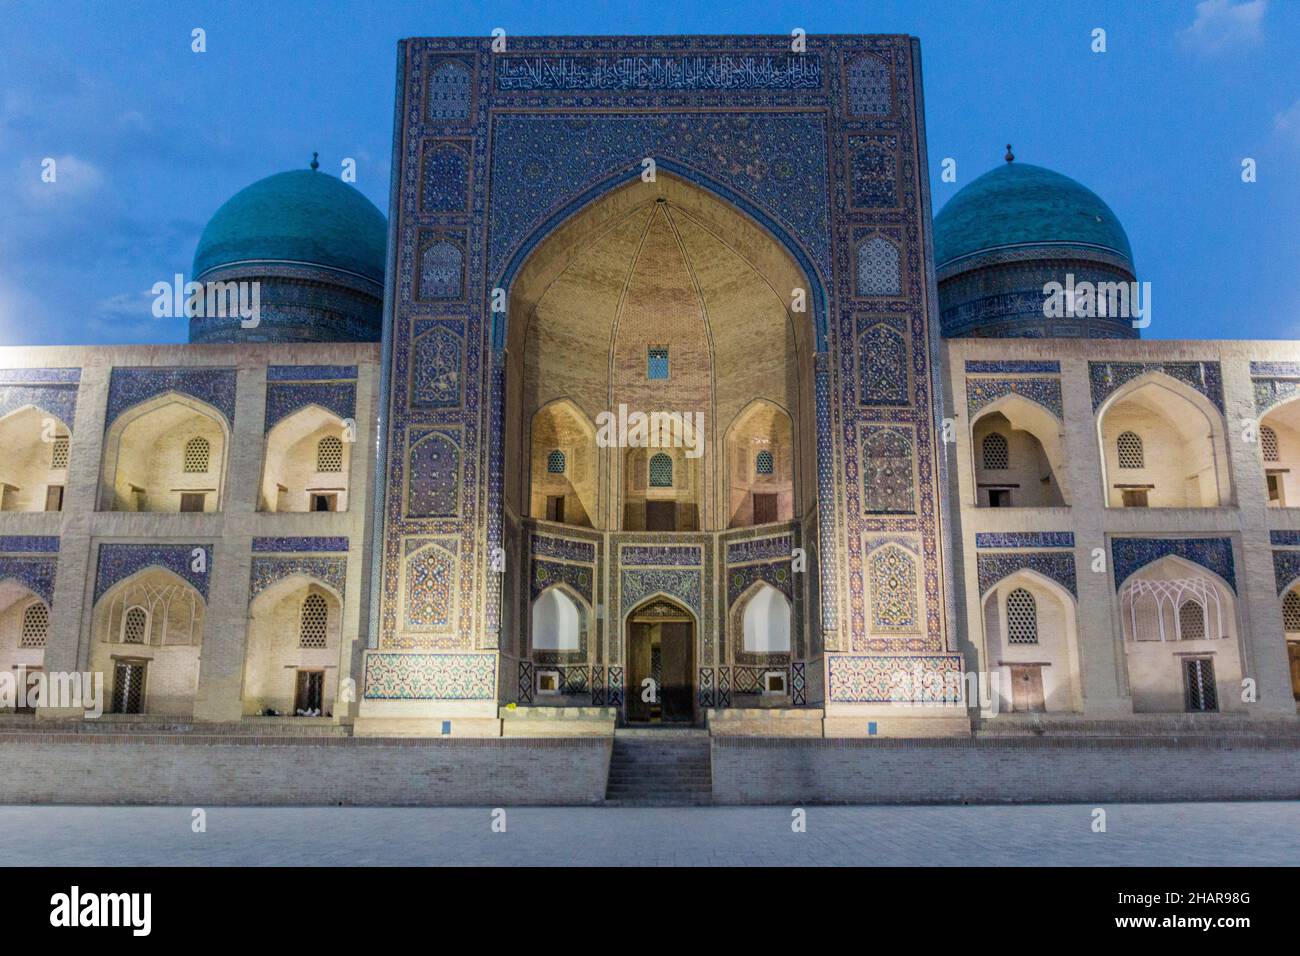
555	462
134	626
1191	621
1268	442
329	454
661	471
1129	450
197	455
763	463
36	625
996	455
59	453
657	363
1201	693
315	613
1291	612
1022	618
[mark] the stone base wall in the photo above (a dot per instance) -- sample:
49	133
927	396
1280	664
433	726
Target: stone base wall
209	771
1062	770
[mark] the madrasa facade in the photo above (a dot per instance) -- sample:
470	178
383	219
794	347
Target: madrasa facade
660	396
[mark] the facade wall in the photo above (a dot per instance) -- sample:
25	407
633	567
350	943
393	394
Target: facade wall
1090	549
89	547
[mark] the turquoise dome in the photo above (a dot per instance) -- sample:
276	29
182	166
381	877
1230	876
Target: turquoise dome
1022	205
303	216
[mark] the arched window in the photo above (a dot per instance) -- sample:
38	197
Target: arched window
315	613
996	456
1268	443
1128	448
1022	618
1291	612
766	622
135	625
558	622
329	454
763	463
555	462
661	471
197	454
59	453
36	625
1191	621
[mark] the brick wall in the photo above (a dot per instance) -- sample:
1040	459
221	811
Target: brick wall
770	771
205	771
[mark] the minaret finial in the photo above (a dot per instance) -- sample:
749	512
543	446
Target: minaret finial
314	165
1010	156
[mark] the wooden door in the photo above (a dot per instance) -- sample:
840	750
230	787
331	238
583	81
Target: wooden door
677	663
638	669
764	508
1293	651
1027	688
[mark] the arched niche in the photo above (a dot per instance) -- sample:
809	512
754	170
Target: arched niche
1034	475
147	638
1279	447
307	462
34	466
1031	643
765	621
24	630
1183	460
150	462
292	653
1172	612
563	465
560	621
760	466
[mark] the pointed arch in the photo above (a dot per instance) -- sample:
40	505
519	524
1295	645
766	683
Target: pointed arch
291	459
142	467
1185	457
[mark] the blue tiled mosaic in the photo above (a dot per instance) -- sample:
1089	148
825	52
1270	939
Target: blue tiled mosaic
1025	539
292	545
119	561
1132	554
131	386
1106	377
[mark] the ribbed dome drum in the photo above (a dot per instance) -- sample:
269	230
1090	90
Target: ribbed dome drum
1009	233
315	246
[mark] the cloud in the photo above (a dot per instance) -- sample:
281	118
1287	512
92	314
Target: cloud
70	178
1223	25
1287	123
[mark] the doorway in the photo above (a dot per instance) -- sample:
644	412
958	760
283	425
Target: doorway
661	664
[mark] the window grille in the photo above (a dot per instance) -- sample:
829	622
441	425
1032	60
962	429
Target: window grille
1022	617
996	456
36	625
1268	442
59	453
128	688
1129	449
134	626
1291	612
555	462
763	463
197	453
314	615
661	471
657	362
1191	621
1199	675
329	454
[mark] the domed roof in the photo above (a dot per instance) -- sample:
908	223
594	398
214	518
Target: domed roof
302	216
1017	205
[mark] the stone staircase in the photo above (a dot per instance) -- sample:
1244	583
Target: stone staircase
665	767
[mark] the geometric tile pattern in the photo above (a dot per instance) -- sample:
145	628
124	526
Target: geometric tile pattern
1204	377
1056	565
872	680
119	561
985	391
1131	554
131	386
394	676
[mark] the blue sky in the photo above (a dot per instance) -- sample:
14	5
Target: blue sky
150	138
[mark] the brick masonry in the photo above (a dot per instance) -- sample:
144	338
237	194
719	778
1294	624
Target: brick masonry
772	771
211	771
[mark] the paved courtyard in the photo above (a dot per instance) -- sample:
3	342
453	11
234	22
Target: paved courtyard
1208	834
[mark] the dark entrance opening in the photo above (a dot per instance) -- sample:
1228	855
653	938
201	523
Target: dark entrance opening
661	664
